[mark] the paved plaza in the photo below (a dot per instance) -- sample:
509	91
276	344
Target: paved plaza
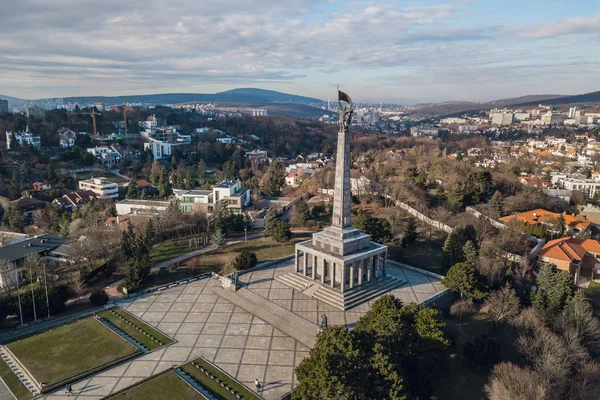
240	343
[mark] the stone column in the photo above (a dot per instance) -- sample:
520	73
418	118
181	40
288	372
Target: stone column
376	266
343	287
332	277
384	262
306	255
324	263
314	267
360	271
297	261
369	261
351	272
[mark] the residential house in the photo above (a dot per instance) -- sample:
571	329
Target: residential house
579	257
237	197
16	253
28	205
72	200
195	200
108	155
103	188
41	186
548	219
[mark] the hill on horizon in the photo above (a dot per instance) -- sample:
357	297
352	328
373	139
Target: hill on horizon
239	95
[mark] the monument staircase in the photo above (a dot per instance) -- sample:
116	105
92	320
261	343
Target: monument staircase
344	301
19	371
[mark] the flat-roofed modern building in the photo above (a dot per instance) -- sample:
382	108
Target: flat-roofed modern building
103	188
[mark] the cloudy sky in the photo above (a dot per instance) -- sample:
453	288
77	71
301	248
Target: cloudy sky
378	51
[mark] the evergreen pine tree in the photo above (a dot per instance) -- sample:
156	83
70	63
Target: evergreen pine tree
273	180
218	239
271	221
302	213
410	232
496	205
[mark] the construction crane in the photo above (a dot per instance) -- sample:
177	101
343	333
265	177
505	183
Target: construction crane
93	113
125	117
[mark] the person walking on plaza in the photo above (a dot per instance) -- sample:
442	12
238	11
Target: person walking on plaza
69	390
257	384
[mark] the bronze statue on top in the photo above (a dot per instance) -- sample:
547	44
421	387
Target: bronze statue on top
345	112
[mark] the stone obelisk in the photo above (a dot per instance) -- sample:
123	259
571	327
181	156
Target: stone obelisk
341	258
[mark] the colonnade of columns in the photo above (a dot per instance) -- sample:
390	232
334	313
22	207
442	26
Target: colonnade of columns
337	274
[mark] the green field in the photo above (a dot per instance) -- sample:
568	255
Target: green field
266	249
167	250
165	386
134	333
71	349
13	383
215	387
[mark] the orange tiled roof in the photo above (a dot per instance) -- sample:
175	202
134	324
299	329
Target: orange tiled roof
569	249
540	215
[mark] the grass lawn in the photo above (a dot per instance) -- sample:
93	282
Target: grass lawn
266	249
212	385
165	386
421	254
134	333
68	350
166	250
13	383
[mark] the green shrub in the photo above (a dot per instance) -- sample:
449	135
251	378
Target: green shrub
245	260
99	298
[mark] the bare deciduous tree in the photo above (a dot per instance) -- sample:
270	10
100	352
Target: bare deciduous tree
503	304
511	382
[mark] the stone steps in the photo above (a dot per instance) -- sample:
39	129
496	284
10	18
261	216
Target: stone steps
358	295
296	281
16	369
284	320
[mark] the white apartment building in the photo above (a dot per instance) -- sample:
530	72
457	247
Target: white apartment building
417	131
161	139
551	118
573	111
159	150
468	128
195	200
103	188
449	121
588	186
501	117
23	138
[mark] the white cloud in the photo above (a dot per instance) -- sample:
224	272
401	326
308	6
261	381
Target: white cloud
66	47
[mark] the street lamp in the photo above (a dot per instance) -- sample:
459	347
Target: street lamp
245	235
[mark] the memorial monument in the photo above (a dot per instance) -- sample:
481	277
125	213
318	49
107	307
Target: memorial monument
341	259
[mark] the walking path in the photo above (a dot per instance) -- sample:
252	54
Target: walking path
286	321
5	393
20	371
203	250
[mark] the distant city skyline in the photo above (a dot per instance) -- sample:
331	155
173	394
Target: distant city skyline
386	51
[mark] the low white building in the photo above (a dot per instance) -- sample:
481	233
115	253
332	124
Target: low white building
103	188
225	140
141	207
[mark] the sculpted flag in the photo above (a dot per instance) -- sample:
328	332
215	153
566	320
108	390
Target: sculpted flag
344	97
